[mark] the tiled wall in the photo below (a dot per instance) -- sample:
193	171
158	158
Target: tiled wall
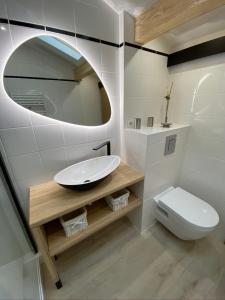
145	78
199	99
34	146
145	152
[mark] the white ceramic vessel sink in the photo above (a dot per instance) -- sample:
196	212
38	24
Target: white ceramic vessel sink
88	173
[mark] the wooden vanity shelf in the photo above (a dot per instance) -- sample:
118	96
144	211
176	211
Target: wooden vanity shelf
49	201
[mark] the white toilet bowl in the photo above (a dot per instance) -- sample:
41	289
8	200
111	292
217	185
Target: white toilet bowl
187	216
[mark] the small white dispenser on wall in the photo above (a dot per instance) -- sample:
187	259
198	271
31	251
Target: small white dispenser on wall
145	151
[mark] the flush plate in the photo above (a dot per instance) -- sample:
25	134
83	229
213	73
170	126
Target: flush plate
170	144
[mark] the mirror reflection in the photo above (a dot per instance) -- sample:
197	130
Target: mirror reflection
49	77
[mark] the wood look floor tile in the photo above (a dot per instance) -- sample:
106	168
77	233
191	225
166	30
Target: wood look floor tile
118	263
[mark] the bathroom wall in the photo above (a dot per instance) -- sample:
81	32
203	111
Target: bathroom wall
146	80
199	99
145	152
145	77
37	147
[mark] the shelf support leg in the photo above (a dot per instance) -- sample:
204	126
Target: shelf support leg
41	240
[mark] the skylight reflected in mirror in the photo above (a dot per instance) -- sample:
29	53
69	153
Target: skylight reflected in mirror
61	46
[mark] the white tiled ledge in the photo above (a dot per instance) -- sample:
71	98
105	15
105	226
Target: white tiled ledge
157	129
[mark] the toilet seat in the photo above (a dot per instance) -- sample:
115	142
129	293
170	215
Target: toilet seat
191	209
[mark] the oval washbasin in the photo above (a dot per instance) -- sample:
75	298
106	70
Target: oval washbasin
88	173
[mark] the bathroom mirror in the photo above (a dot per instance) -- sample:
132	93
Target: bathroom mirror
51	78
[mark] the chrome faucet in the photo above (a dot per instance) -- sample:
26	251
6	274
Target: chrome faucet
108	144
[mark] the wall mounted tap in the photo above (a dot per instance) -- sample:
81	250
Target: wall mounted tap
108	144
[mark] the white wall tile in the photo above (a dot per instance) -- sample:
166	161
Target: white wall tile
206	146
18	115
101	24
6	43
48	137
82	152
92	52
87	20
110	81
22	34
140	62
30	11
136	145
203	167
109	59
106	22
38	120
210	80
209	127
209	104
3	12
138	85
18	141
96	133
161	175
27	166
141	107
73	135
59	15
54	160
161	137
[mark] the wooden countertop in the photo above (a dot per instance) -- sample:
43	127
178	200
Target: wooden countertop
49	200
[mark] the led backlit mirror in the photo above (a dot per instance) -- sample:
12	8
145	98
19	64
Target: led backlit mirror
49	77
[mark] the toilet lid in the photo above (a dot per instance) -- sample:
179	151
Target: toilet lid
189	207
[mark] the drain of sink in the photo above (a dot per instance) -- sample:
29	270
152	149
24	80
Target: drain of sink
86	181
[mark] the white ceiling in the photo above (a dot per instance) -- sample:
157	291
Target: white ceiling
133	7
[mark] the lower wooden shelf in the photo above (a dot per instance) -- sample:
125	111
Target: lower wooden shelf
99	215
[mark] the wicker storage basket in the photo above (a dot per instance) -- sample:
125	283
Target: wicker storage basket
74	222
118	200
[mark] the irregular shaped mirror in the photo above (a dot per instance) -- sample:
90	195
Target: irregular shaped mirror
49	77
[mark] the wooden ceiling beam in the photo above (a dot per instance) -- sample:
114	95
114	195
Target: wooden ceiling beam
166	15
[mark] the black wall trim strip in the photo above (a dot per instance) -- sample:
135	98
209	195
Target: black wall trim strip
209	48
25	24
78	35
70	33
145	49
4	21
133	45
88	38
40	78
110	43
57	30
16	203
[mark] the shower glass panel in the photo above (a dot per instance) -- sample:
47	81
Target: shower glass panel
18	265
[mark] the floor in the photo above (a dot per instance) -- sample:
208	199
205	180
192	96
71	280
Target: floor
118	263
11	274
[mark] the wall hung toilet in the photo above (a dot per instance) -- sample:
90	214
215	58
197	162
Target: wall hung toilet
184	214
